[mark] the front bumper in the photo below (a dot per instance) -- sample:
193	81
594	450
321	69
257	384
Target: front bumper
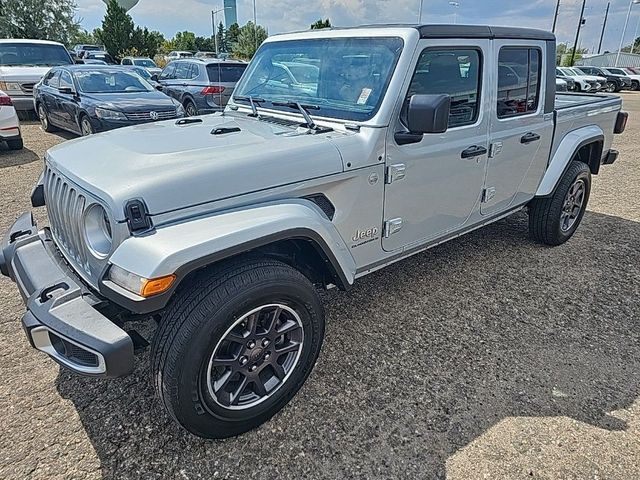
62	318
23	103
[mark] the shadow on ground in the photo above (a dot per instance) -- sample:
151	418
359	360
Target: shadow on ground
13	158
419	360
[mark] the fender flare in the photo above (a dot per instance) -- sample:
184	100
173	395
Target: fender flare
198	242
563	155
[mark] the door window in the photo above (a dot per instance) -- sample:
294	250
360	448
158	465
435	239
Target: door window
65	80
518	81
183	71
168	72
52	79
451	71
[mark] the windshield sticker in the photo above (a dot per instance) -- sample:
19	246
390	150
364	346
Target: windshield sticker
364	96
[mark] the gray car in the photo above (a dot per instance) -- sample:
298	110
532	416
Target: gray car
201	85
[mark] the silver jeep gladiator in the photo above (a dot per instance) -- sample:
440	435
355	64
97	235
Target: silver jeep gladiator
341	151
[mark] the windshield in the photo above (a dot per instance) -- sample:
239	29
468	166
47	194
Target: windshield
617	71
345	78
144	62
33	54
104	81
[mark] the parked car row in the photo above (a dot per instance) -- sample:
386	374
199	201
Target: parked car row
595	79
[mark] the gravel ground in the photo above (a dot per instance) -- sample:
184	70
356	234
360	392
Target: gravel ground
487	357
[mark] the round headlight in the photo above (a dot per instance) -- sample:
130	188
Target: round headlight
97	231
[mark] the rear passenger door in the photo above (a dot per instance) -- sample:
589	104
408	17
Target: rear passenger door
167	77
521	132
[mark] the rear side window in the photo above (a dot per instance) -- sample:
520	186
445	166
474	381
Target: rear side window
225	72
452	71
126	61
518	81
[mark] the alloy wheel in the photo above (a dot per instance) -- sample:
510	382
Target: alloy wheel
42	114
255	356
191	110
572	205
85	126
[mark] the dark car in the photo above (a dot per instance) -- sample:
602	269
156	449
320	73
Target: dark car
201	85
84	99
615	83
100	55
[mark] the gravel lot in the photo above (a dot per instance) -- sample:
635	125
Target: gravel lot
487	357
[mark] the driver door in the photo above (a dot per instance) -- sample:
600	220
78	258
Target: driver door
434	185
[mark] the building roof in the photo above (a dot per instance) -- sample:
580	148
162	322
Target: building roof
609	60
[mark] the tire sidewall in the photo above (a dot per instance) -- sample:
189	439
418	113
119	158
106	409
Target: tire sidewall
196	405
576	172
190	105
84	119
44	118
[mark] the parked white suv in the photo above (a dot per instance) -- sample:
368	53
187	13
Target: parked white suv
23	63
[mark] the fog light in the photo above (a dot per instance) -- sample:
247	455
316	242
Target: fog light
144	287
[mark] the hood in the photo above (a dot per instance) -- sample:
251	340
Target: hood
22	74
132	102
177	166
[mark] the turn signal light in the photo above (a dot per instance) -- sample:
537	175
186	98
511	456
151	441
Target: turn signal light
212	89
156	285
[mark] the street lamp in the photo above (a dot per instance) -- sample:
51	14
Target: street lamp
213	24
624	30
455	6
420	13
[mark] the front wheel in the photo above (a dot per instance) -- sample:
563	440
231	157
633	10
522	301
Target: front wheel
610	87
85	126
235	345
553	220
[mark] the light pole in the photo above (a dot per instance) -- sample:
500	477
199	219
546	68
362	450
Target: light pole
455	6
555	17
604	26
624	30
635	35
213	25
581	22
420	13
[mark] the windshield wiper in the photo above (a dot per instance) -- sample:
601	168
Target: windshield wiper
303	109
252	101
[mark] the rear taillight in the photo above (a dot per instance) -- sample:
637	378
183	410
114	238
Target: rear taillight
212	90
5	101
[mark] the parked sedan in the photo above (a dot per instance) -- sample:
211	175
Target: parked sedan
84	99
9	123
200	85
143	62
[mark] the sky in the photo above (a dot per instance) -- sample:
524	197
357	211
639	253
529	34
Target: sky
278	16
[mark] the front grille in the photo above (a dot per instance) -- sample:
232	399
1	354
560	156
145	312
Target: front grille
147	116
66	206
27	87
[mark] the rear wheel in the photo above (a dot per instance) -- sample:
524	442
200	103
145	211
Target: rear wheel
553	220
43	115
235	345
635	85
190	108
15	144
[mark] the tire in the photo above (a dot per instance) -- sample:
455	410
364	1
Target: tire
549	220
15	144
635	86
610	87
86	128
190	108
43	116
205	318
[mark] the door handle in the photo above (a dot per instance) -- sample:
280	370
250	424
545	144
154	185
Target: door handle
473	151
530	137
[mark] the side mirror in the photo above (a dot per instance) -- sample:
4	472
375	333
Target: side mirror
155	77
78	61
66	90
425	114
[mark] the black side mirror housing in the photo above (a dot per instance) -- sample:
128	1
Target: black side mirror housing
428	113
155	77
425	114
66	90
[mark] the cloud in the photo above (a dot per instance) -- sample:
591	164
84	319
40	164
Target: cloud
291	15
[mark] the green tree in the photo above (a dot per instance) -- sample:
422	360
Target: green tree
117	30
145	43
231	36
250	38
84	37
205	44
221	38
185	41
321	24
39	19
